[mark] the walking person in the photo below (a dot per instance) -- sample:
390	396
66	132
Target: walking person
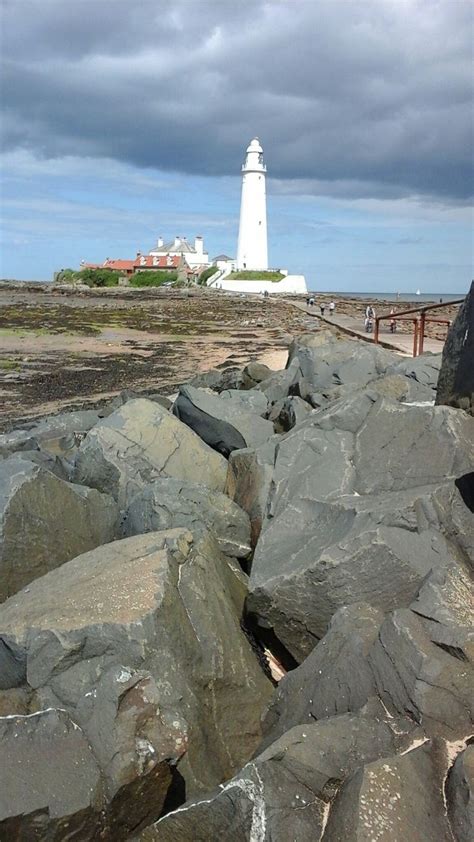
332	307
322	307
369	318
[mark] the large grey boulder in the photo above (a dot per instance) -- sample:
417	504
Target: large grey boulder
335	678
143	625
50	786
314	558
55	464
456	377
423	658
334	369
249	481
225	424
253	373
247	401
418	662
218	379
285	792
460	795
279	384
168	503
56	434
415	674
394	799
421	375
141	442
287	413
16	441
45	521
346	525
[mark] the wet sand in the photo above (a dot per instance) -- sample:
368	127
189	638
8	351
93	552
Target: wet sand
68	350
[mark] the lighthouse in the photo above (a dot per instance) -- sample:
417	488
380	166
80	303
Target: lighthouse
252	252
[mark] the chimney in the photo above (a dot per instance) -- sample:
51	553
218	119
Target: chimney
139	254
177	242
199	245
160	243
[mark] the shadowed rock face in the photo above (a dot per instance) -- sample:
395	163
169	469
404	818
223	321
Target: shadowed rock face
418	661
460	795
140	641
335	677
50	786
456	377
45	521
284	792
224	423
139	443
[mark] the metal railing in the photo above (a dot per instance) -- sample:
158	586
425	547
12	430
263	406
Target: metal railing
419	322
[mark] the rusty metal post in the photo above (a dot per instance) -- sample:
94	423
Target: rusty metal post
376	334
421	335
415	337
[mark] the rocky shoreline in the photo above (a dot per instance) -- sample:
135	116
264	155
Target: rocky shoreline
162	557
63	348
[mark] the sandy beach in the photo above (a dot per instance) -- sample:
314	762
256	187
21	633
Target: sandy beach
63	350
67	349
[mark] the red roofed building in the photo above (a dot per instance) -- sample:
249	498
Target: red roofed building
141	263
178	255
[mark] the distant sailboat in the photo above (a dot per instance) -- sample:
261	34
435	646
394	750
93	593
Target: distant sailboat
418	292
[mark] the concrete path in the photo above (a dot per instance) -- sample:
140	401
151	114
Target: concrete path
401	342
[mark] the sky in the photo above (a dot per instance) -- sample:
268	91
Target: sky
124	121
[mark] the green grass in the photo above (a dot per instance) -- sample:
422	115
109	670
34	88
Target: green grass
92	277
206	274
152	279
9	365
245	275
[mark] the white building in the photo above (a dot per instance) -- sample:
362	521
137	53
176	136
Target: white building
193	255
252	250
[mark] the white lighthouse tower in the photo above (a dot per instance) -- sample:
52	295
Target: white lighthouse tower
252	252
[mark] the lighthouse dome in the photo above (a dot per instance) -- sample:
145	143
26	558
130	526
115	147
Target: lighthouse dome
254	145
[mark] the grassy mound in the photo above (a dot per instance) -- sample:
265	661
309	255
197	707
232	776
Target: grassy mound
91	277
152	279
206	274
245	275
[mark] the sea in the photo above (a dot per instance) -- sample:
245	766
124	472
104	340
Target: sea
434	297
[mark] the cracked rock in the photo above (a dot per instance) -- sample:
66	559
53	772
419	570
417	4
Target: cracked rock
50	785
141	641
45	521
285	792
139	443
249	479
334	679
167	503
394	799
343	525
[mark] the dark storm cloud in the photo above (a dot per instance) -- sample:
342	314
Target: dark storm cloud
349	98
